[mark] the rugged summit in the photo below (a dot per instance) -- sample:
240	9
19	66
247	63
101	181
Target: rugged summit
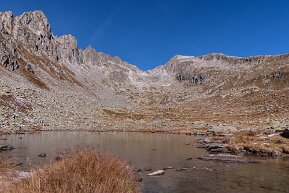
47	82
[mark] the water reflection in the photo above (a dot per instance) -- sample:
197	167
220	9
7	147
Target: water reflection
157	151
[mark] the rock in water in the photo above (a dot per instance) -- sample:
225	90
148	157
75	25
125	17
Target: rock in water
181	169
6	147
285	133
42	155
220	150
168	168
225	158
157	173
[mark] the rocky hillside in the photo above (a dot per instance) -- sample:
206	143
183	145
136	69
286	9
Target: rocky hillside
47	82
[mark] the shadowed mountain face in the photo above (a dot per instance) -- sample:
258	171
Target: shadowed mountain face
47	82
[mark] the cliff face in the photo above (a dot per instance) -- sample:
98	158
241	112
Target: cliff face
67	87
28	37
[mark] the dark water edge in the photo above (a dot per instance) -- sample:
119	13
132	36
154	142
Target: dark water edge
157	151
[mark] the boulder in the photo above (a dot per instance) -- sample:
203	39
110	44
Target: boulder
285	133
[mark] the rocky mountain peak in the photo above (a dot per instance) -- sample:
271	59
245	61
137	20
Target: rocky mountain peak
91	57
89	49
27	39
6	22
215	56
31	29
68	41
35	22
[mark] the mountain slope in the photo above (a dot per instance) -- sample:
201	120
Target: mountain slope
47	82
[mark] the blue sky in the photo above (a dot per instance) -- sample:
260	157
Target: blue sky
148	33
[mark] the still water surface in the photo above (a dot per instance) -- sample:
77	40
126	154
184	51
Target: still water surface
156	151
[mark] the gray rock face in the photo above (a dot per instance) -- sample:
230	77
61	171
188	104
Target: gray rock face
6	23
66	50
45	60
7	59
33	30
29	35
30	30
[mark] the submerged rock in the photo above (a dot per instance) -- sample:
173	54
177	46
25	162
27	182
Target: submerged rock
168	168
187	144
42	155
181	169
225	158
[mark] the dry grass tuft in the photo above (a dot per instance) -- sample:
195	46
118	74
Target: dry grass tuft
268	146
86	171
4	163
218	139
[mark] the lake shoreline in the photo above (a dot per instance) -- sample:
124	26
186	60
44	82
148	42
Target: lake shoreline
185	164
263	143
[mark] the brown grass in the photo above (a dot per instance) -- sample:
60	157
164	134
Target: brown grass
12	102
86	171
274	146
4	164
55	70
123	115
5	167
31	77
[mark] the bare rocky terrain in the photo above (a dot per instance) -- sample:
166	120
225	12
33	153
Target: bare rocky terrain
48	83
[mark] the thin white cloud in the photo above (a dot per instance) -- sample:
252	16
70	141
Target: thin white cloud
100	30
